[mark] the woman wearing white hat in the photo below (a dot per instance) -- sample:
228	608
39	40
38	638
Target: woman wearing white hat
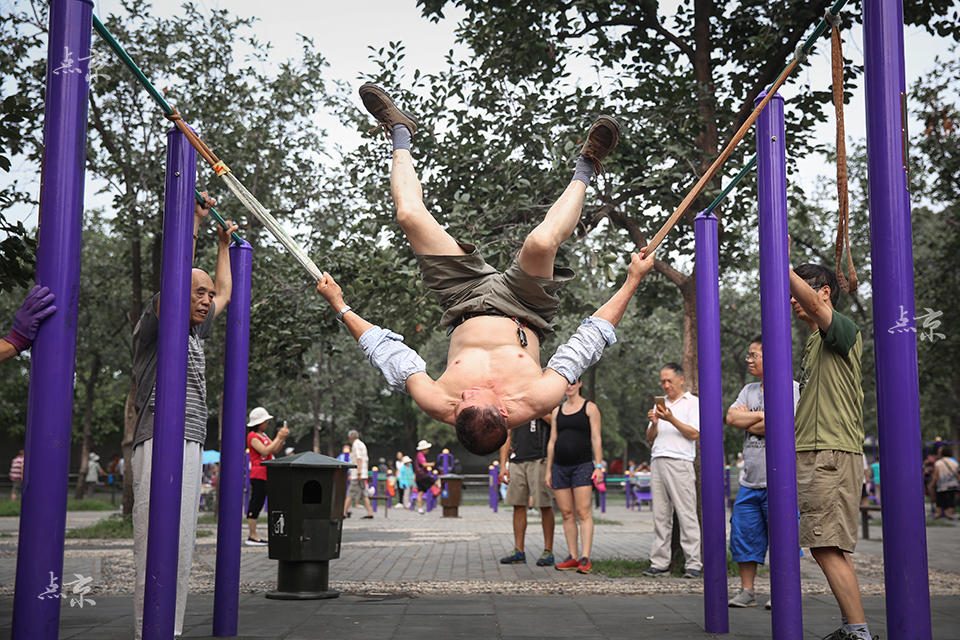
261	449
421	470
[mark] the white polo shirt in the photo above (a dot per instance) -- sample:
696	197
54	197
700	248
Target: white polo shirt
358	456
670	443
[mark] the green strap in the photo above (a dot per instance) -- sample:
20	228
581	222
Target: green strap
127	60
216	216
807	47
726	191
157	97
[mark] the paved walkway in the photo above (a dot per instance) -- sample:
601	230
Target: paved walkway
441	576
480	617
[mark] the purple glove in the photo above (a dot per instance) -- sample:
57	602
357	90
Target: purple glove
35	308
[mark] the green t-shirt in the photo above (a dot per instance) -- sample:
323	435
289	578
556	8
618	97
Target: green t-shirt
830	412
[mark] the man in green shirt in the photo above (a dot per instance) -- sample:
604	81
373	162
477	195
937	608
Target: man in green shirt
829	429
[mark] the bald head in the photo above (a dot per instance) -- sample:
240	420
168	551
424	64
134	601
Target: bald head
201	296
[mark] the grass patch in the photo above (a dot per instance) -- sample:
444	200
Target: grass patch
615	523
207	518
620	567
939	522
114	527
624	568
12	507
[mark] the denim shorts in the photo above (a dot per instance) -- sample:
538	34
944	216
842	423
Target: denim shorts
572	476
748	526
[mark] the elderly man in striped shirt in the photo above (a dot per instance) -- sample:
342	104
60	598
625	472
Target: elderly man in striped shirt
208	298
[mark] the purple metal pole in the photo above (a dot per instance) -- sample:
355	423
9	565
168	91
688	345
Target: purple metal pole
781	455
374	477
166	474
50	403
445	462
898	404
707	267
226	599
494	487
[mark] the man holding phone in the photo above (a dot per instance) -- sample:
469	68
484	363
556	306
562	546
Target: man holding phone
672	433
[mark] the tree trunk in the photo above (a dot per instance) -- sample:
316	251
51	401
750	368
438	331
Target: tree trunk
126	445
129	407
689	293
89	389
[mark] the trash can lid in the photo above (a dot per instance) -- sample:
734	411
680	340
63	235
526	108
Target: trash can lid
310	459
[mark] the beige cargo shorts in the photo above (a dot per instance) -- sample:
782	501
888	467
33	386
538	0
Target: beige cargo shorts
828	488
527	485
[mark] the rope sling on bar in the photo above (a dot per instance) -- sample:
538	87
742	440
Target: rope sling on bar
799	55
849	282
246	198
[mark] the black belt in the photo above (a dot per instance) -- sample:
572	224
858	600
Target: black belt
521	325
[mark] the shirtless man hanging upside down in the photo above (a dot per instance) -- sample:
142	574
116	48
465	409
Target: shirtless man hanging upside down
494	379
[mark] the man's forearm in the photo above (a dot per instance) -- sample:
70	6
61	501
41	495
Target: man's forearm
505	450
742	419
651	434
356	325
686	430
7	350
224	282
613	309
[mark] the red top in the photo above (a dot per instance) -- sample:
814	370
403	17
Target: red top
257	470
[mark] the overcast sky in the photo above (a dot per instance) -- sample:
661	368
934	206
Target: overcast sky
343	31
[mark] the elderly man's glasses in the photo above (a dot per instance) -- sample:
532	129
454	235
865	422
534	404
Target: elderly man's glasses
754	357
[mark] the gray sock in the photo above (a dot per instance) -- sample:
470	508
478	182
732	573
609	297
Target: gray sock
401	137
859	630
584	170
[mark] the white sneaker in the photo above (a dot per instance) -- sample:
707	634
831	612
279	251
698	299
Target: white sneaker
250	542
421	511
743	599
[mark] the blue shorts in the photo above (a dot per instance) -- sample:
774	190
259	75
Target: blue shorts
571	476
748	526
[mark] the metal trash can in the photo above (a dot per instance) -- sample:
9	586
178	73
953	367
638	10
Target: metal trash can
305	493
450	495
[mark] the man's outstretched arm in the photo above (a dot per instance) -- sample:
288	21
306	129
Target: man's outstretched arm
403	368
613	309
586	346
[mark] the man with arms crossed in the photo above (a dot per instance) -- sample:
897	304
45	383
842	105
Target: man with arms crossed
749	534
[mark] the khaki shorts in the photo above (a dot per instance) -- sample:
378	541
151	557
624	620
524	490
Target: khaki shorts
357	490
467	285
828	487
526	482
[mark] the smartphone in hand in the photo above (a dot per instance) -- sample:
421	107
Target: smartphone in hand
661	402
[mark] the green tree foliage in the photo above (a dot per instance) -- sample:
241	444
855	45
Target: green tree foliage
936	240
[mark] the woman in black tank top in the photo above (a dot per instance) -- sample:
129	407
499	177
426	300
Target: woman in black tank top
574	456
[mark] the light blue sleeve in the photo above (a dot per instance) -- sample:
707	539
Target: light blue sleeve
386	351
583	349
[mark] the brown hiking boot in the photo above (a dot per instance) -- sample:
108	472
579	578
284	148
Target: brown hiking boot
382	107
602	138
